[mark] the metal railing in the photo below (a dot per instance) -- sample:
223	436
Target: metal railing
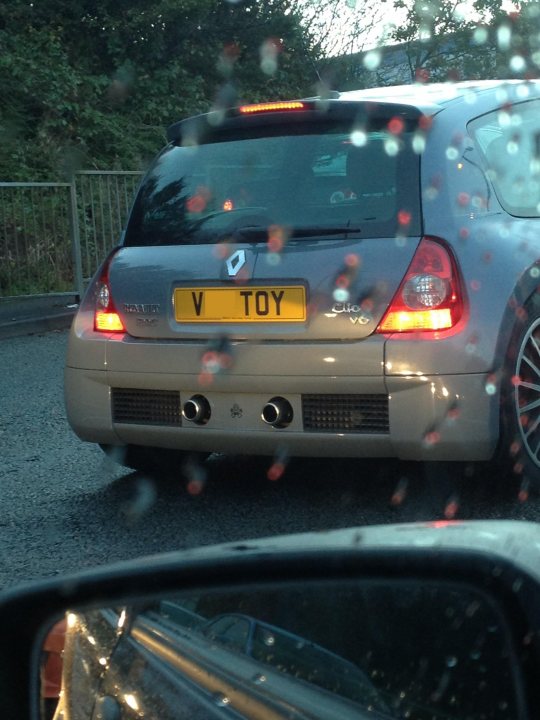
104	200
35	238
54	235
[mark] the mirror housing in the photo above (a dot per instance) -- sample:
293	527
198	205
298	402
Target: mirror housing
499	559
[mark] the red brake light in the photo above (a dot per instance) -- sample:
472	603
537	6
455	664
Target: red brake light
272	107
429	297
106	318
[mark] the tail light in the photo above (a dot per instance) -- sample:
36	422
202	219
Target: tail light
430	295
106	318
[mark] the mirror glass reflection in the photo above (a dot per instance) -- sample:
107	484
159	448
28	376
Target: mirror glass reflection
373	649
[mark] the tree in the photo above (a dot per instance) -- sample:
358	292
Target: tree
445	40
96	83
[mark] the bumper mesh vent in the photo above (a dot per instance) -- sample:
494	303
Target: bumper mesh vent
346	413
146	407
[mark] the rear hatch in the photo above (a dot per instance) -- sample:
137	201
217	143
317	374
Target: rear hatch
278	224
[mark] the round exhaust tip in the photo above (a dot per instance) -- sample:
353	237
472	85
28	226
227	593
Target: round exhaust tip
277	412
197	410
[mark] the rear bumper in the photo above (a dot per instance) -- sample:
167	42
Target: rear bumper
442	417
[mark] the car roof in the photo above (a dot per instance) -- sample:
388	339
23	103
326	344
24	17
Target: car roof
431	97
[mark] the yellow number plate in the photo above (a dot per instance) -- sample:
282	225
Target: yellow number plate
240	304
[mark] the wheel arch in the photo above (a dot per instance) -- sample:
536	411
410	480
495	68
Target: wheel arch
515	316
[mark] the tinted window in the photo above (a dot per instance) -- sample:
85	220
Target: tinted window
312	175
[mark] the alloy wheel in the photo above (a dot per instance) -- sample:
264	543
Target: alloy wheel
526	383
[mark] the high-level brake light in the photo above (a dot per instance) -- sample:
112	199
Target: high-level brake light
430	296
272	107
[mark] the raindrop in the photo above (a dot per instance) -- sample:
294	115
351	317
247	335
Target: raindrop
273	259
396	125
451	661
372	60
222	250
269	640
476	655
352	260
479	202
277	237
518	64
391	146
504	119
490	388
269	65
425	122
451	509
418	143
342	281
341	295
512	148
195	475
400	493
276	471
359	138
523	494
453	413
480	36
269	52
431	193
210	362
259	679
205	379
404	217
432	438
143	500
452	153
504	37
216	117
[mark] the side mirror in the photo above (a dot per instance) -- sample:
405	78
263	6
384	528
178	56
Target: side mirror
427	622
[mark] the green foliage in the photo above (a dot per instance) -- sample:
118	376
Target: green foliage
95	84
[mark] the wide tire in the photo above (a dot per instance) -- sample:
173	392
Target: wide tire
519	451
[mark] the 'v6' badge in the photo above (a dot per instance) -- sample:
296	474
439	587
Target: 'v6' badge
236	261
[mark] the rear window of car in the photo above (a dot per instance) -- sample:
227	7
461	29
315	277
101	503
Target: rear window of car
509	141
302	177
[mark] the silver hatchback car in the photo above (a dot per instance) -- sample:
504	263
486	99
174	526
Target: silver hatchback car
354	277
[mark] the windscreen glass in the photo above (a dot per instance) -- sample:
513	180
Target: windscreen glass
310	178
